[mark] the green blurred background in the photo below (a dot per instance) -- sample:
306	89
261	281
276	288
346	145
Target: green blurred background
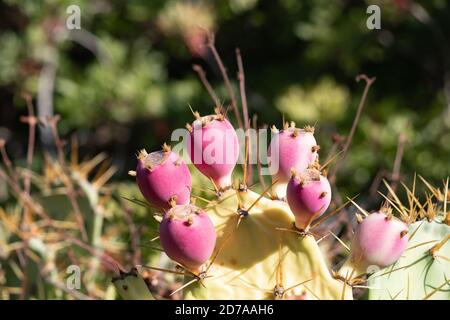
123	82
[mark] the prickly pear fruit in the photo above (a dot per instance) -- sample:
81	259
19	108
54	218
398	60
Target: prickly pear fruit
214	148
162	176
308	196
380	239
290	148
187	236
422	272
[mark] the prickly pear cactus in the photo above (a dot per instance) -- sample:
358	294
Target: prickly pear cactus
245	245
260	256
260	251
423	271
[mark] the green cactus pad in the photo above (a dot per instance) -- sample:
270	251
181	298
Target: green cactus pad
131	286
417	274
252	255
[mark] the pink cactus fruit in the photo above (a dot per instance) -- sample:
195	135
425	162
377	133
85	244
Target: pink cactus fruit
162	177
214	148
308	196
380	239
188	236
290	148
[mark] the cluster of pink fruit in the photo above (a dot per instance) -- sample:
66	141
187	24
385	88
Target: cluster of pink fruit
188	235
380	238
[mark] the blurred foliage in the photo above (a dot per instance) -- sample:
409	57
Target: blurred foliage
325	101
124	80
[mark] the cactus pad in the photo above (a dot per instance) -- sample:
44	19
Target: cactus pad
254	257
131	286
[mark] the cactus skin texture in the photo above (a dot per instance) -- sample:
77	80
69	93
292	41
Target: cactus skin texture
421	272
254	257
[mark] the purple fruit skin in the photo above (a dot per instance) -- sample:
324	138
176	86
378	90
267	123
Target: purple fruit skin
170	178
377	241
221	172
309	201
190	245
295	152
